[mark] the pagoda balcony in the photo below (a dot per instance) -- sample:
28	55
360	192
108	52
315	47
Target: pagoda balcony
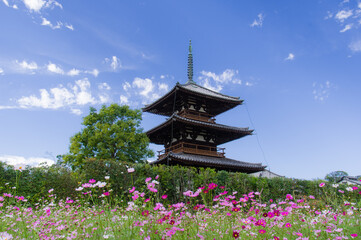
204	117
193	149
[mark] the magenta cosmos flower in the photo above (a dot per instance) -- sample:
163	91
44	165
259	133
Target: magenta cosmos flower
92	181
322	184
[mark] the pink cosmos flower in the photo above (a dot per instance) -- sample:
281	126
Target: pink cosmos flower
5	235
132	190
145	213
135	197
157	177
262	231
322	184
164	196
288	225
130	170
92	181
50	190
289	196
354	235
106	194
311	197
147	200
148	179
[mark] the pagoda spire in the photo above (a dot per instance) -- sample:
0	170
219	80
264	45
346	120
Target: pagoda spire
190	64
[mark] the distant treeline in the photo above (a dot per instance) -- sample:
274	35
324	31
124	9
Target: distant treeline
35	182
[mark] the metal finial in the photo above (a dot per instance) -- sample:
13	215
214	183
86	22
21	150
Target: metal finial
190	64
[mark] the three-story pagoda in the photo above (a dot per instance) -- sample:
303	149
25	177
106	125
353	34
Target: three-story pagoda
191	135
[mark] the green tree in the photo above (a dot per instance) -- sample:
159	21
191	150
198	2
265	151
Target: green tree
113	133
335	176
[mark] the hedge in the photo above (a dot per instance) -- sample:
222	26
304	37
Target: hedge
174	180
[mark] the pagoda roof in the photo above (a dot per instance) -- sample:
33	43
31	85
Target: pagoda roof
193	87
208	161
164	105
238	132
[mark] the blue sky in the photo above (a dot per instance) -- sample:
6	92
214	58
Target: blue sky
296	64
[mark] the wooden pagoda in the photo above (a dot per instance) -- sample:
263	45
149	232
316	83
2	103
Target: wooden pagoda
191	135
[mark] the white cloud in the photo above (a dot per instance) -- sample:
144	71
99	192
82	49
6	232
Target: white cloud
259	21
146	89
76	111
216	82
82	94
73	72
69	26
114	62
346	28
123	99
321	91
1	71
54	68
94	72
290	57
22	161
8	107
146	85
163	87
104	86
46	22
343	15
27	65
6	3
355	46
126	86
78	94
37	5
34	5
36	9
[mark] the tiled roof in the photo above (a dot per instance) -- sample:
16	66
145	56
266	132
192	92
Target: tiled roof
164	105
208	161
205	91
350	180
176	117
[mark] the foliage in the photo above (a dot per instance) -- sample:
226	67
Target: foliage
113	133
335	176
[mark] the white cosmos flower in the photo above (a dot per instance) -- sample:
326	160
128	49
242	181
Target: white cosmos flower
106	177
79	189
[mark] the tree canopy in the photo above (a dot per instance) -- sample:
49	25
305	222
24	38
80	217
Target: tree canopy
335	176
112	133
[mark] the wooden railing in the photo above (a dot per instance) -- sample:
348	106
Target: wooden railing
193	149
204	117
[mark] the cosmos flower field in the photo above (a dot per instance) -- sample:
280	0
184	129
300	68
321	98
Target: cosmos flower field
208	212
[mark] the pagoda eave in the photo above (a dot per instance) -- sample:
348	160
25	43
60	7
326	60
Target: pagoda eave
219	102
224	133
208	161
